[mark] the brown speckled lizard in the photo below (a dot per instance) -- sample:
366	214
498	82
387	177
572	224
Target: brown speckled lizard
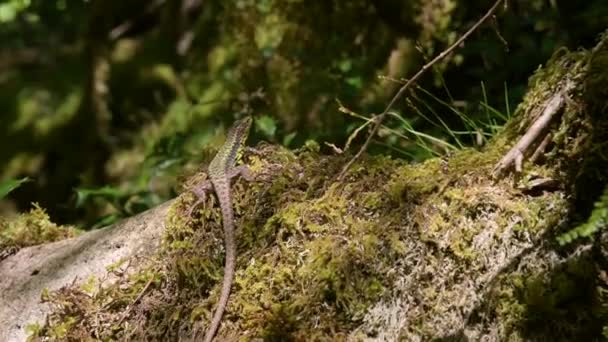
221	171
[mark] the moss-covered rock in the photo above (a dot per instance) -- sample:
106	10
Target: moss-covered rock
437	250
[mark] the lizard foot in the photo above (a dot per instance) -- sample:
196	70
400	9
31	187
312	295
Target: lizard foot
242	171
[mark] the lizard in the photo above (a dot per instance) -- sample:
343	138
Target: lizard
221	171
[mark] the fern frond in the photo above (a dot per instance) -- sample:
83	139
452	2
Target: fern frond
598	220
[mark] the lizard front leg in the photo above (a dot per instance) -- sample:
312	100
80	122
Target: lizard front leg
200	191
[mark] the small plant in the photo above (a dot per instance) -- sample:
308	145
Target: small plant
598	220
439	138
11	184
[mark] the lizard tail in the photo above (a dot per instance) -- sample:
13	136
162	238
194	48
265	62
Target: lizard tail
229	267
225	294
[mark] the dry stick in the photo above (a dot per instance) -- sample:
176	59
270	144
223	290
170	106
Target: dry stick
378	119
541	148
515	156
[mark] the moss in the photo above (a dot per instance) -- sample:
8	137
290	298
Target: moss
548	303
29	229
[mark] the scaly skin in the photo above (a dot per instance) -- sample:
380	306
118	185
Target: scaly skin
221	170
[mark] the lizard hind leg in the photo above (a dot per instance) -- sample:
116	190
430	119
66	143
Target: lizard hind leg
242	171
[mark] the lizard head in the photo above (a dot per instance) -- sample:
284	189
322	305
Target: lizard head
240	129
230	153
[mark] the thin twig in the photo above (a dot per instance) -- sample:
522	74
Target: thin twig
514	158
130	307
380	118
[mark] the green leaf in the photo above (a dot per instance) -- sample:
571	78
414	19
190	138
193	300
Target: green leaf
345	65
10	185
289	138
107	192
106	221
267	125
355	82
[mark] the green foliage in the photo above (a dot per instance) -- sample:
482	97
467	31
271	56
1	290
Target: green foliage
108	193
11	184
439	137
267	125
598	220
10	9
164	161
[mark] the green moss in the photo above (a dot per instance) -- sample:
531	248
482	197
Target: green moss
29	229
412	181
544	303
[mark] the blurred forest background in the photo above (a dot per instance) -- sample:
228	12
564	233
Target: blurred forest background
107	105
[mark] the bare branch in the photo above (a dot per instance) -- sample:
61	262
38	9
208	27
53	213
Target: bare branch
380	118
